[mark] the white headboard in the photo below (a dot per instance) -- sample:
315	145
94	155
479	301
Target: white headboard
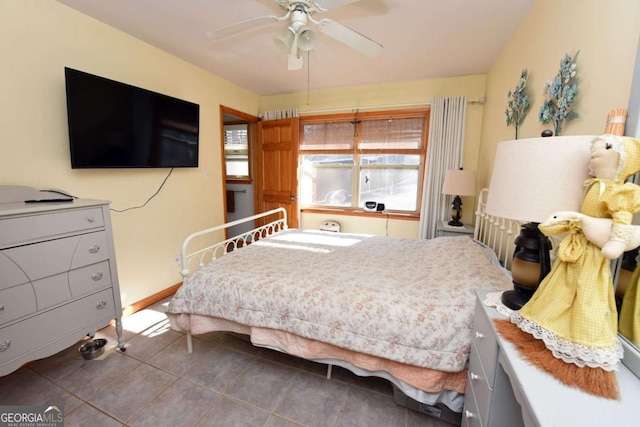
497	233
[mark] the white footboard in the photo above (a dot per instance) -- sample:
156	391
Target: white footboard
208	253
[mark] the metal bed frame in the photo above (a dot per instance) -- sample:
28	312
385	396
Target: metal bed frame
496	232
208	253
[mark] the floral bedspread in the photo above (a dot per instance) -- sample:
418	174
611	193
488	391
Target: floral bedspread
406	300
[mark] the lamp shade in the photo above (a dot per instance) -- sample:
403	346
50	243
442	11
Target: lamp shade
459	183
533	178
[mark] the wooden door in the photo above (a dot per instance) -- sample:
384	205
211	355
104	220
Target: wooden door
276	168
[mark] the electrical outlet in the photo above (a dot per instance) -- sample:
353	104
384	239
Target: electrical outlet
176	260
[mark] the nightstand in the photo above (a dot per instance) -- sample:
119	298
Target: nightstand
445	229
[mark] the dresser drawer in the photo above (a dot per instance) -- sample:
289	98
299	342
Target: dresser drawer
20	338
91	248
52	290
16	302
485	341
89	279
10	273
31	228
45	259
477	378
470	415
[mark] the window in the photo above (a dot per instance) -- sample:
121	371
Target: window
347	160
236	151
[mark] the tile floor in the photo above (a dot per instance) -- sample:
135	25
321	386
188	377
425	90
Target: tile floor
224	382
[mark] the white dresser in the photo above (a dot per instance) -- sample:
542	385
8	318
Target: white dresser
58	278
504	390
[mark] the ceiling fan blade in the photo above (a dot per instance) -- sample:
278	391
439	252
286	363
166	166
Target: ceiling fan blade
333	4
295	62
238	27
294	59
350	37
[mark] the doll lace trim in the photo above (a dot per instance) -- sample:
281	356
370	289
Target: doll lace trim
621	233
570	352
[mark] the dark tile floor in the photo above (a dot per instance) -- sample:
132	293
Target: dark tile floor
224	382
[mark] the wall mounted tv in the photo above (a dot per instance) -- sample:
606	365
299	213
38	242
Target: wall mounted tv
116	125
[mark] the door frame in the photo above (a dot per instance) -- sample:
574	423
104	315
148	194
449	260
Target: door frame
228	114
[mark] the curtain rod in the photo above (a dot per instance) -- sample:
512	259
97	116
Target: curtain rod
481	100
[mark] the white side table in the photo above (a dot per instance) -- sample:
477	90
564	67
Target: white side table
445	229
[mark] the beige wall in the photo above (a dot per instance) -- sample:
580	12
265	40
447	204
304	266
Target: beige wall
606	34
38	38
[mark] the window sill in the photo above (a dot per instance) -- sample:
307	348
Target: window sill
408	216
237	180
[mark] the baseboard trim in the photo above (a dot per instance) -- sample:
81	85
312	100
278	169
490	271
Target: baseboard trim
150	300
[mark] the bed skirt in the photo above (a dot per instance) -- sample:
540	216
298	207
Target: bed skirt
424	385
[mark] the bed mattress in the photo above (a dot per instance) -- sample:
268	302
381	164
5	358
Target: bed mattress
405	300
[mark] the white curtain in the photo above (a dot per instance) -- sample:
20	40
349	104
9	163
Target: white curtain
279	114
445	152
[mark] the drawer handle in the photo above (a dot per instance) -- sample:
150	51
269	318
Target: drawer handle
90	219
1	308
468	414
97	276
101	305
474	377
479	335
94	249
4	345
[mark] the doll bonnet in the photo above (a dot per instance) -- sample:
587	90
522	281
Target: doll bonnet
629	150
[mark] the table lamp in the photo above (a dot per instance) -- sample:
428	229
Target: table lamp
533	178
458	183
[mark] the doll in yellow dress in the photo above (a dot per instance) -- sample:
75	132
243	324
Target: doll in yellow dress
569	327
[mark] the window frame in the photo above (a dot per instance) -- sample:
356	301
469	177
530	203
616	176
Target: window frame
357	118
230	155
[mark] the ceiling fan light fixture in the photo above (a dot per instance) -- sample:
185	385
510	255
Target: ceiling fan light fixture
284	39
306	38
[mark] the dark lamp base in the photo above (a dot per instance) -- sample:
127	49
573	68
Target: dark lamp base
456	212
531	264
518	297
513	300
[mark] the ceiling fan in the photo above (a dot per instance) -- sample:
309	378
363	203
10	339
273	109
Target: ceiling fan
299	36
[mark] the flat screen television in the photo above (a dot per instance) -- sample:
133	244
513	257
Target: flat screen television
116	125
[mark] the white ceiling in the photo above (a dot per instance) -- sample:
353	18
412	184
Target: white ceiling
422	39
